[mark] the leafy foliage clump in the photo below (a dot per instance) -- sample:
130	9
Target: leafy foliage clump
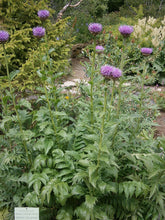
19	19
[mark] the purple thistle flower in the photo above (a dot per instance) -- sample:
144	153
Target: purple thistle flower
126	30
110	72
39	32
99	49
4	36
95	28
116	73
43	14
146	51
107	70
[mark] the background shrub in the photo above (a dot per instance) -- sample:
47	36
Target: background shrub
19	18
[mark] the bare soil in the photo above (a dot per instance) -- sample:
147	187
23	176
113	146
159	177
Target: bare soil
78	70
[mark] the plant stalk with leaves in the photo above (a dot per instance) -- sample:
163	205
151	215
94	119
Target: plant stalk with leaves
15	106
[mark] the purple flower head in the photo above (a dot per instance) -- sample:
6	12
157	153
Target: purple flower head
116	73
43	14
146	51
126	30
107	70
95	28
39	32
111	72
99	49
4	36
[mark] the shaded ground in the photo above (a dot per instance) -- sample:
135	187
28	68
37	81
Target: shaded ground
78	72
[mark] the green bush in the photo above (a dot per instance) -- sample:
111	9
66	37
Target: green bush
19	18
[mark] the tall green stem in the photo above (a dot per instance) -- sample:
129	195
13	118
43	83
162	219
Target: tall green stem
111	101
119	91
102	125
49	67
46	94
15	107
92	74
47	52
141	94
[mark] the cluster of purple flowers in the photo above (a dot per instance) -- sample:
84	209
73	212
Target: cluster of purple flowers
43	14
111	72
95	28
126	30
146	51
4	36
39	32
99	49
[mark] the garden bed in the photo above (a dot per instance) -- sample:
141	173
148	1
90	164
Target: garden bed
78	72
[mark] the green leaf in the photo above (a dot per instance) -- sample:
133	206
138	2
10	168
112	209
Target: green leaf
49	131
77	190
42	177
153	190
112	187
28	135
13	74
46	191
82	212
25	103
37	186
40	161
131	188
90	201
64	214
160	200
65	135
61	191
102	186
84	162
31	199
93	175
48	144
64	172
57	153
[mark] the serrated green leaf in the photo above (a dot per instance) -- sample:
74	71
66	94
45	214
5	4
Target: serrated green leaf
93	175
82	212
131	188
64	172
31	199
14	73
48	144
102	186
25	103
90	201
84	162
64	214
40	161
37	186
57	153
61	191
77	190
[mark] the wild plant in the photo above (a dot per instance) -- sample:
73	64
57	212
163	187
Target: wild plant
93	156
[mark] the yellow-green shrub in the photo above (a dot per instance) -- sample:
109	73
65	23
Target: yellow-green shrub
22	49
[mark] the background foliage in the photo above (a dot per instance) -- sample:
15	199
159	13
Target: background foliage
19	18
